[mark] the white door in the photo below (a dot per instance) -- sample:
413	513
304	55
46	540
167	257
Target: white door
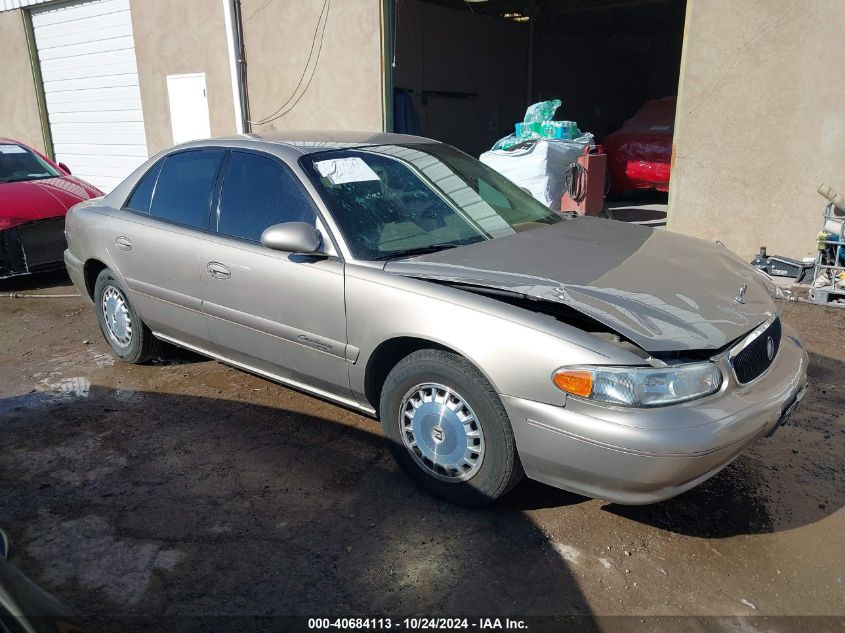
188	107
86	52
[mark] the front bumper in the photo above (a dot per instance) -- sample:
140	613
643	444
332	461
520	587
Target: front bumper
642	456
32	247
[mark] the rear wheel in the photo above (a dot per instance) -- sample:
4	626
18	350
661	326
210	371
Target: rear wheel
129	338
448	429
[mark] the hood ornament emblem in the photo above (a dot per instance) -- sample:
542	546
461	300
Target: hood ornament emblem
740	298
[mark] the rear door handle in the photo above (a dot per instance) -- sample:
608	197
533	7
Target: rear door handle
123	243
218	270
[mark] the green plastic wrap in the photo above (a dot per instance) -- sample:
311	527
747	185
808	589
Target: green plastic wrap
542	111
539	124
547	129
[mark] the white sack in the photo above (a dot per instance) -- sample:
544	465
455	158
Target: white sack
540	167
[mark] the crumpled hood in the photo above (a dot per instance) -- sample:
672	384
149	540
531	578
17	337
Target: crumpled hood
663	291
31	200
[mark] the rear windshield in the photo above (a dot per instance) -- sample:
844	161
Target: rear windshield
18	163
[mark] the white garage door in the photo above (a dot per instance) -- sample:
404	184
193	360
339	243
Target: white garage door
87	56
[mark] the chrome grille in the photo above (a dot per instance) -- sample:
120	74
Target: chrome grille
752	356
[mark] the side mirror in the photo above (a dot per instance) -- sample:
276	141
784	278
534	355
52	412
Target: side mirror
65	167
292	237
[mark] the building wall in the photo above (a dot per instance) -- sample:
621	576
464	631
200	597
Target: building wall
760	122
19	117
176	37
345	91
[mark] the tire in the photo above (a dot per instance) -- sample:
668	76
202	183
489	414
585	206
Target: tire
135	346
474	410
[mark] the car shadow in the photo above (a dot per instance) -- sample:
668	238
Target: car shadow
791	479
533	495
141	508
35	281
173	355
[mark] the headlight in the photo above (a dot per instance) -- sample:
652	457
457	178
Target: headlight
640	386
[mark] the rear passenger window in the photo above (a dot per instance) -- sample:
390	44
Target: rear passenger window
141	197
259	192
184	187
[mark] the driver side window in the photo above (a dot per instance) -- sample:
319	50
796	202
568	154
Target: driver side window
259	192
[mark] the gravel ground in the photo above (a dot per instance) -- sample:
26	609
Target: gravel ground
186	487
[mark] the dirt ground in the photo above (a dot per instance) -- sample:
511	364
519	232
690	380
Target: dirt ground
186	487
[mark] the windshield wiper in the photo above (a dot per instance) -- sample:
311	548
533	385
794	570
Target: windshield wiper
27	178
420	250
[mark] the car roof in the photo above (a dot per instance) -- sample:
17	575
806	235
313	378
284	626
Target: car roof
311	141
308	142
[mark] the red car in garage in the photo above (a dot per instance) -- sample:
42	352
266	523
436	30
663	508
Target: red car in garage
35	195
639	154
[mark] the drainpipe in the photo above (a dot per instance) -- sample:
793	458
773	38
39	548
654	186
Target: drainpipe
237	63
389	9
38	82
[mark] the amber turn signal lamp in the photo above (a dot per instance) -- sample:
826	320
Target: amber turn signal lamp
577	382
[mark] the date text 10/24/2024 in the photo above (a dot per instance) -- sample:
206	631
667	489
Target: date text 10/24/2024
416	624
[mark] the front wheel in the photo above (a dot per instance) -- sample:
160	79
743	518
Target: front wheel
129	338
448	428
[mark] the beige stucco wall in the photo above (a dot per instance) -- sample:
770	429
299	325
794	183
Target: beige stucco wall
175	37
760	123
346	89
18	104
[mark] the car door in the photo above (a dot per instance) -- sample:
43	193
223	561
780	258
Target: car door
280	313
154	242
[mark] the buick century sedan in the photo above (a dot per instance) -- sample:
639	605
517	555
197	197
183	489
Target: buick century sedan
492	337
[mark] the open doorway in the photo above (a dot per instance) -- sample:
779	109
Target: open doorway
464	71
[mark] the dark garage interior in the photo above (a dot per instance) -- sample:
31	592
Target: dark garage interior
464	71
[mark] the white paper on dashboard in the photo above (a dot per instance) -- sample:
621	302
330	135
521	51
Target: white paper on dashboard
12	149
340	171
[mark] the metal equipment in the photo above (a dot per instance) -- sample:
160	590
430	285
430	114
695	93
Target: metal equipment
779	266
585	183
829	272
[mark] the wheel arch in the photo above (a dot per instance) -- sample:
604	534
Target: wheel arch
91	269
388	354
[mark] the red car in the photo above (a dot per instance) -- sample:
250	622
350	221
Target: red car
639	154
35	195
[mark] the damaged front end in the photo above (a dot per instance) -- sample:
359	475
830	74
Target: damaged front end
664	377
558	311
573	316
32	247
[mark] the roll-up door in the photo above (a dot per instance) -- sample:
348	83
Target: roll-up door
87	56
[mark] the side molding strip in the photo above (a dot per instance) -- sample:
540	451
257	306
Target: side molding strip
300	386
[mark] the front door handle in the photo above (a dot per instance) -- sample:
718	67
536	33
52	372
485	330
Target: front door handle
123	243
218	270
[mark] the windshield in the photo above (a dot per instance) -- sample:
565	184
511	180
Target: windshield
395	201
19	163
